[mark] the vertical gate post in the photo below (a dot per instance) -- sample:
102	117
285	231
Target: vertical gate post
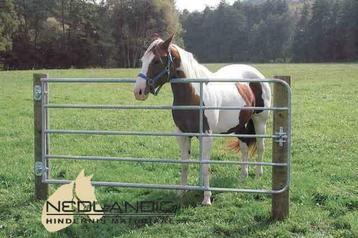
280	151
41	189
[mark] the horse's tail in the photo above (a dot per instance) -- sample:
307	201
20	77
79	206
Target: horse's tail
251	142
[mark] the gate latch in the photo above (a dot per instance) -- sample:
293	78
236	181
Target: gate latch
281	136
37	93
39	168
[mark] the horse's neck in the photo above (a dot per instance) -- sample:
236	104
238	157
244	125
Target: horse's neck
187	93
190	66
183	93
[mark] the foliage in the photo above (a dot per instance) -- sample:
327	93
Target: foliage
8	24
82	33
135	22
113	33
272	31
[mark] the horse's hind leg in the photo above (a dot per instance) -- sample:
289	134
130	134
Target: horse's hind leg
185	146
245	158
244	119
260	129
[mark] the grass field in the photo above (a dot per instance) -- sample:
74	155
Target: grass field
324	188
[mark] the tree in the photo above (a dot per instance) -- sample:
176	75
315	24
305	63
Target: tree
134	23
347	24
31	14
271	37
242	32
8	24
300	43
319	29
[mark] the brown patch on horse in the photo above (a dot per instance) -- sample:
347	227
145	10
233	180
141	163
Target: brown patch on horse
256	88
246	93
184	95
249	98
161	55
158	51
162	49
160	61
176	59
252	95
248	129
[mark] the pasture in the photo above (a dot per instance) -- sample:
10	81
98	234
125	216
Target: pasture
324	188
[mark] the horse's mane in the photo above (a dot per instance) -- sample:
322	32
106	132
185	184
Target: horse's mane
190	66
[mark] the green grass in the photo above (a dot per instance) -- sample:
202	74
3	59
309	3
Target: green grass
324	188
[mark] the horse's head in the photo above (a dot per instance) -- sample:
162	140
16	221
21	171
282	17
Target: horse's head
85	192
159	63
84	188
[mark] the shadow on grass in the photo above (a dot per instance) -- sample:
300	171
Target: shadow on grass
259	223
149	207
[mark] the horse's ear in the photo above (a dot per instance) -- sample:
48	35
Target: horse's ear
165	45
81	174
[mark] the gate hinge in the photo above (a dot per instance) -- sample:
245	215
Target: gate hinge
37	93
281	136
39	168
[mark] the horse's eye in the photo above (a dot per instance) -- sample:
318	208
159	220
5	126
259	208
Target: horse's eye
156	62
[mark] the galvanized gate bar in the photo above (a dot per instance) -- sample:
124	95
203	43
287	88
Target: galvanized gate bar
159	107
177	80
44	126
144	133
170	187
169	161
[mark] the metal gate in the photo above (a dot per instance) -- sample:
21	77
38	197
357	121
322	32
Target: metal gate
281	138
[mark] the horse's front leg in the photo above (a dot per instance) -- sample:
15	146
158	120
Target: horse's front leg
185	146
206	150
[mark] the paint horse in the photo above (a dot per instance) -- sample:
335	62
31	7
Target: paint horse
163	61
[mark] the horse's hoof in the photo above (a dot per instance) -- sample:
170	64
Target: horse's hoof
259	172
206	202
244	173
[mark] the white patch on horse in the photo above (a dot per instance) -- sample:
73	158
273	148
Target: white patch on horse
141	83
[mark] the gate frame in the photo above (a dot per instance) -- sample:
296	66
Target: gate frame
281	146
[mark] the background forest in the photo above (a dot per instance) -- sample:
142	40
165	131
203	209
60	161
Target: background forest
114	33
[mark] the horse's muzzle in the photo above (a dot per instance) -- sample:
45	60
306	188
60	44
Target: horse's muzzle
141	95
